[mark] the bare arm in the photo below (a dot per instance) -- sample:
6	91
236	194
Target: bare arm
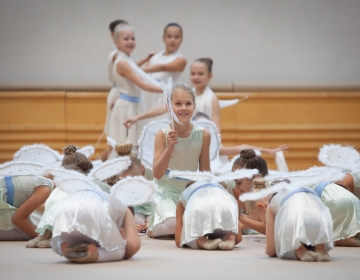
157	111
270	242
124	69
145	60
204	161
131	234
20	216
238	236
216	112
347	182
177	65
253	224
162	153
179	223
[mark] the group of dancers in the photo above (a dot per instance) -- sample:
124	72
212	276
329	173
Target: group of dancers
166	184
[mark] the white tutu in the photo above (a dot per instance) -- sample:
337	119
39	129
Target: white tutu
89	214
302	219
208	209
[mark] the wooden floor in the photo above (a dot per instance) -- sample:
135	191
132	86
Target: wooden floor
305	120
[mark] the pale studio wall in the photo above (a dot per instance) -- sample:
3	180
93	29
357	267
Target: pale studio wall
250	40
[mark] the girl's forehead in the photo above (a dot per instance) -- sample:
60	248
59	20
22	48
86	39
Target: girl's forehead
180	93
172	29
126	32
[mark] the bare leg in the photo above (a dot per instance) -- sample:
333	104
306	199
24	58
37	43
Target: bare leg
349	242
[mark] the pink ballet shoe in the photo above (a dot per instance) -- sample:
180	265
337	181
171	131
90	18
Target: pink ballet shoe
211	244
227	245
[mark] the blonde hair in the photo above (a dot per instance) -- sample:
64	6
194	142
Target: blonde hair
72	157
184	87
259	184
126	149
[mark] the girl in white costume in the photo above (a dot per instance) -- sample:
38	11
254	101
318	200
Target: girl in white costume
207	209
180	147
164	64
19	197
129	79
298	224
88	228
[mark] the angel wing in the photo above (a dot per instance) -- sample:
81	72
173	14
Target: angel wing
86	150
231	102
61	172
110	168
38	153
147	139
238	174
111	141
133	191
72	184
215	136
192	175
21	168
346	158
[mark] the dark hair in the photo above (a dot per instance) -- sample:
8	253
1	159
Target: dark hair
208	61
249	160
115	23
173	24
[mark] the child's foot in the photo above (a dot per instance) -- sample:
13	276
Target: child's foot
349	242
80	252
150	233
227	245
44	244
322	257
309	256
33	242
211	244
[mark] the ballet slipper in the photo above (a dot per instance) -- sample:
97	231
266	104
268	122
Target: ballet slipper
309	256
150	233
78	247
322	257
227	245
33	242
44	244
211	244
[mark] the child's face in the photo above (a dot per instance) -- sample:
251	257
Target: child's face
199	74
242	186
182	104
172	38
126	41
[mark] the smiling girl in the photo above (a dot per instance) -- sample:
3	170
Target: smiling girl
179	147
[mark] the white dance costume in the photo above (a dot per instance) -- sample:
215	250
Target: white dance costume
150	101
344	208
113	93
185	156
300	217
91	217
14	191
208	206
204	102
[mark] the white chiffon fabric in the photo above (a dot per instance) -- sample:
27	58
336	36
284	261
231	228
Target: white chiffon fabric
303	218
150	101
113	93
204	102
206	210
86	213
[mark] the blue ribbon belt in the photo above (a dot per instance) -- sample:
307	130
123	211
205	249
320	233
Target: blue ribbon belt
129	98
9	190
205	186
319	189
297	191
177	178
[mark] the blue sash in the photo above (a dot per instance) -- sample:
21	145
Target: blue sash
130	98
319	189
177	178
205	186
9	190
297	191
114	85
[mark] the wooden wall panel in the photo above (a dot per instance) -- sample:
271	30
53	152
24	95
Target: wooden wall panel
303	120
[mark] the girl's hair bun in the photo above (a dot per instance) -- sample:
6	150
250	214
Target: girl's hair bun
69	150
259	183
123	149
247	153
